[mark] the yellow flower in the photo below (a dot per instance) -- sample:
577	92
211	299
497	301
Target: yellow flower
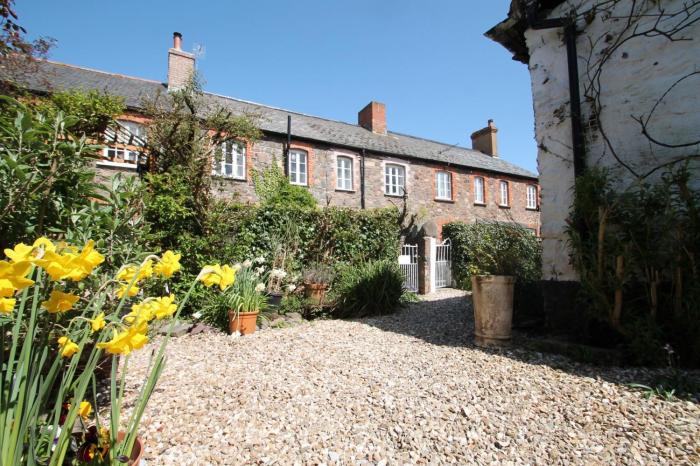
68	348
133	290
124	342
13	277
224	276
127	273
141	312
60	302
98	323
84	409
168	265
7	305
163	307
71	265
20	253
44	242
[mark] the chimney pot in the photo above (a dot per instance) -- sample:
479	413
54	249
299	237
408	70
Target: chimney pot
177	41
373	117
485	140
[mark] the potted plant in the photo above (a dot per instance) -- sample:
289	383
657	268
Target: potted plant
246	298
317	279
495	264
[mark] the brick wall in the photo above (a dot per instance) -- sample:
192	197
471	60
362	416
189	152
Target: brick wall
420	185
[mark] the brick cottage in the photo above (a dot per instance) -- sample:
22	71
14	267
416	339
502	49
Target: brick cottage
359	165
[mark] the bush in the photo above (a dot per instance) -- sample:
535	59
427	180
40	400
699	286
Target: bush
373	288
493	249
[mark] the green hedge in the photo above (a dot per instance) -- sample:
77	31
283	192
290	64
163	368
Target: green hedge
493	248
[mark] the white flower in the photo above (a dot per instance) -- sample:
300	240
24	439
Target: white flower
260	287
291	287
260	260
260	270
197	315
247	263
278	273
237	267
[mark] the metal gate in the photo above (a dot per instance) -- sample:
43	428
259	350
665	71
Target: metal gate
443	264
408	261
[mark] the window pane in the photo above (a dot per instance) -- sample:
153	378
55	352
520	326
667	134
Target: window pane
479	190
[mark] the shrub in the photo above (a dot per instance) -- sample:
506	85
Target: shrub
494	249
372	288
274	189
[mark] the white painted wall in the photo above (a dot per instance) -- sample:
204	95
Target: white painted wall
632	82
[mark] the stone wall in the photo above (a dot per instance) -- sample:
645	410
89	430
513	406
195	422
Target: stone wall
633	80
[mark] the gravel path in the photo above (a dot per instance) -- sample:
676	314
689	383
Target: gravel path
401	389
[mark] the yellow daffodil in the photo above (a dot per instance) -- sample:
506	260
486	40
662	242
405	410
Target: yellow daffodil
60	302
224	276
68	348
44	243
163	307
98	323
7	305
72	265
20	253
84	409
133	290
168	265
124	342
141	312
127	273
13	277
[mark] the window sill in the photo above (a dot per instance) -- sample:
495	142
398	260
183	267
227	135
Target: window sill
349	191
501	206
532	209
393	195
299	184
228	178
448	201
480	204
109	163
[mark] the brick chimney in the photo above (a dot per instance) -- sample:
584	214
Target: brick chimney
485	140
373	117
180	65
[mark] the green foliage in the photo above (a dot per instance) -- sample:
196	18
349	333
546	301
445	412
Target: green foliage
94	110
372	288
274	189
493	249
45	173
636	251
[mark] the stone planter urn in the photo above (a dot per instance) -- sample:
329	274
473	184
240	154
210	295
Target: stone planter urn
492	297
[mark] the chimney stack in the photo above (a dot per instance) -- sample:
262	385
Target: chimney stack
373	117
485	140
180	65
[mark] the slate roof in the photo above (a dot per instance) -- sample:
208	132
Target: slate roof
53	77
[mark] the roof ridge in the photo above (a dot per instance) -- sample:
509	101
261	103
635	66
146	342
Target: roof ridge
109	73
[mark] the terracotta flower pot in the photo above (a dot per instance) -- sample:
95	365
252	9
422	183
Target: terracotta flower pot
315	292
492	297
243	322
136	452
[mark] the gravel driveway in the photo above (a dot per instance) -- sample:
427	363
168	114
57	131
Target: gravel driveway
404	389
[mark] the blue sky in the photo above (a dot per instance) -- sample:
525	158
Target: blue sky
429	62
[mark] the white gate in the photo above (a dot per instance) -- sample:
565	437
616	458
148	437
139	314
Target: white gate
408	261
443	264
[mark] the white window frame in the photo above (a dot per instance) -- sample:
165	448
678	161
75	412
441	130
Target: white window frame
503	193
237	161
443	188
531	191
298	168
344	175
479	190
129	157
395	179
